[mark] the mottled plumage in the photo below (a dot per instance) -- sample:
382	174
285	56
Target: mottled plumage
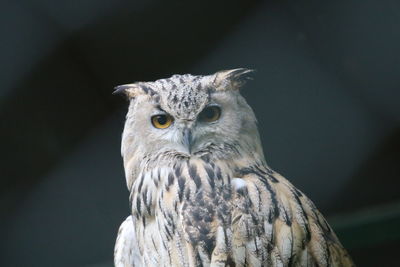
201	192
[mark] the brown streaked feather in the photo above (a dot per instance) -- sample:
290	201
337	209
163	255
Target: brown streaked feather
263	222
300	234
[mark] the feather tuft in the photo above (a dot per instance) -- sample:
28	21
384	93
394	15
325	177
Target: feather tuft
231	79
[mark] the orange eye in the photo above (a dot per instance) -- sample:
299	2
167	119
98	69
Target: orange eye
210	114
161	121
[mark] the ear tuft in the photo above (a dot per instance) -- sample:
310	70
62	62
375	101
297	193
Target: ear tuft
132	90
231	79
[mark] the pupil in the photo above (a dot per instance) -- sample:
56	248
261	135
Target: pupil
162	120
209	113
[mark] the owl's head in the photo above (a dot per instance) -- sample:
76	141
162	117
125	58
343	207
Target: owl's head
188	115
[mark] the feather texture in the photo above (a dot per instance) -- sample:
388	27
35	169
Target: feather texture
198	216
208	198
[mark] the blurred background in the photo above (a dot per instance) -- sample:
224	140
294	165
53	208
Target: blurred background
326	93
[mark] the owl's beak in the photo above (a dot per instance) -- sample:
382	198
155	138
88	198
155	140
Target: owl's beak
188	139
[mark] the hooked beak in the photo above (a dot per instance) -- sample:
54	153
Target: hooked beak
188	139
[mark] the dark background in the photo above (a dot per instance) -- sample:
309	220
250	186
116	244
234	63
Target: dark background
326	93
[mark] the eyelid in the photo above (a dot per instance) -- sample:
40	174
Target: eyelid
159	112
212	105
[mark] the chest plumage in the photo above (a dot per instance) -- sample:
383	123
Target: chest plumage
201	193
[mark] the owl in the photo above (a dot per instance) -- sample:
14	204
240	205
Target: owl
201	192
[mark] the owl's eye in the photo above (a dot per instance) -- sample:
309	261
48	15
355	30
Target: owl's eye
161	121
210	114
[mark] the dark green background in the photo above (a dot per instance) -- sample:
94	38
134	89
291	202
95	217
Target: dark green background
326	93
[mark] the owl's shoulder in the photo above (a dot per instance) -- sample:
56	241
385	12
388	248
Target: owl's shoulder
259	216
294	229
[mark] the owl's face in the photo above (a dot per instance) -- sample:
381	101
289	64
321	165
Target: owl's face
189	115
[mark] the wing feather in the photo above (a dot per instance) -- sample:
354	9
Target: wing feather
295	232
126	251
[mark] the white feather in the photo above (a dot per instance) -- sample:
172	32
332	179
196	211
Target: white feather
238	183
126	251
